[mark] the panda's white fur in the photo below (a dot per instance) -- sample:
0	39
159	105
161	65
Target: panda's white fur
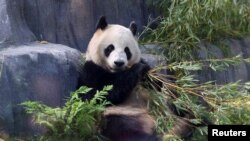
120	37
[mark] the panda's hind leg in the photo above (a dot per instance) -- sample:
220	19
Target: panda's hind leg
124	123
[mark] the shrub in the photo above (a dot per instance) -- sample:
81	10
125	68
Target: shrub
77	120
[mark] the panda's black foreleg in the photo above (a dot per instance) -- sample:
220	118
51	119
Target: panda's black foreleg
126	81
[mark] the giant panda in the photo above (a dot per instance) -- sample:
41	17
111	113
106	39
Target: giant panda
113	58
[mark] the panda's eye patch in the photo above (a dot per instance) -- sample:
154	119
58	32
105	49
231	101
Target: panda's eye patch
128	53
108	50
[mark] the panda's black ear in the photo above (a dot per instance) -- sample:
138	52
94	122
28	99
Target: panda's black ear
102	23
133	27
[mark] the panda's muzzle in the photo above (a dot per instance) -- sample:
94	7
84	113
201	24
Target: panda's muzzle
119	63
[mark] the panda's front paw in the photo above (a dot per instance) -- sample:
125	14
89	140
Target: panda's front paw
144	68
141	69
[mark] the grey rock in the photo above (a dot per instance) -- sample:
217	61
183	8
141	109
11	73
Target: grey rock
72	22
13	28
154	60
68	22
207	51
232	73
42	72
152	49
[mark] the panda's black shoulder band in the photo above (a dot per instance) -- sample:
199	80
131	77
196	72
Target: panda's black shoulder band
102	23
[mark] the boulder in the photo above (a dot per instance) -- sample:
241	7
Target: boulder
42	72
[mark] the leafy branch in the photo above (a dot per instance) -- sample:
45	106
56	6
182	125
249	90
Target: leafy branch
214	64
77	120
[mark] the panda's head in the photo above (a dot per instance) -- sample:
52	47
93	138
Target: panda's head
114	47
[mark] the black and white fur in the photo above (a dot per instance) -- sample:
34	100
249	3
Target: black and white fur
124	82
113	58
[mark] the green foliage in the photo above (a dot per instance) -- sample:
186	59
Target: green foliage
185	23
220	104
77	120
214	64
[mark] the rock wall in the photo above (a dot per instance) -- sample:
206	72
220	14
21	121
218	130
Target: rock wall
68	22
72	22
13	28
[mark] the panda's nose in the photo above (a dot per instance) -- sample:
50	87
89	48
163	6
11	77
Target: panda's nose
119	63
